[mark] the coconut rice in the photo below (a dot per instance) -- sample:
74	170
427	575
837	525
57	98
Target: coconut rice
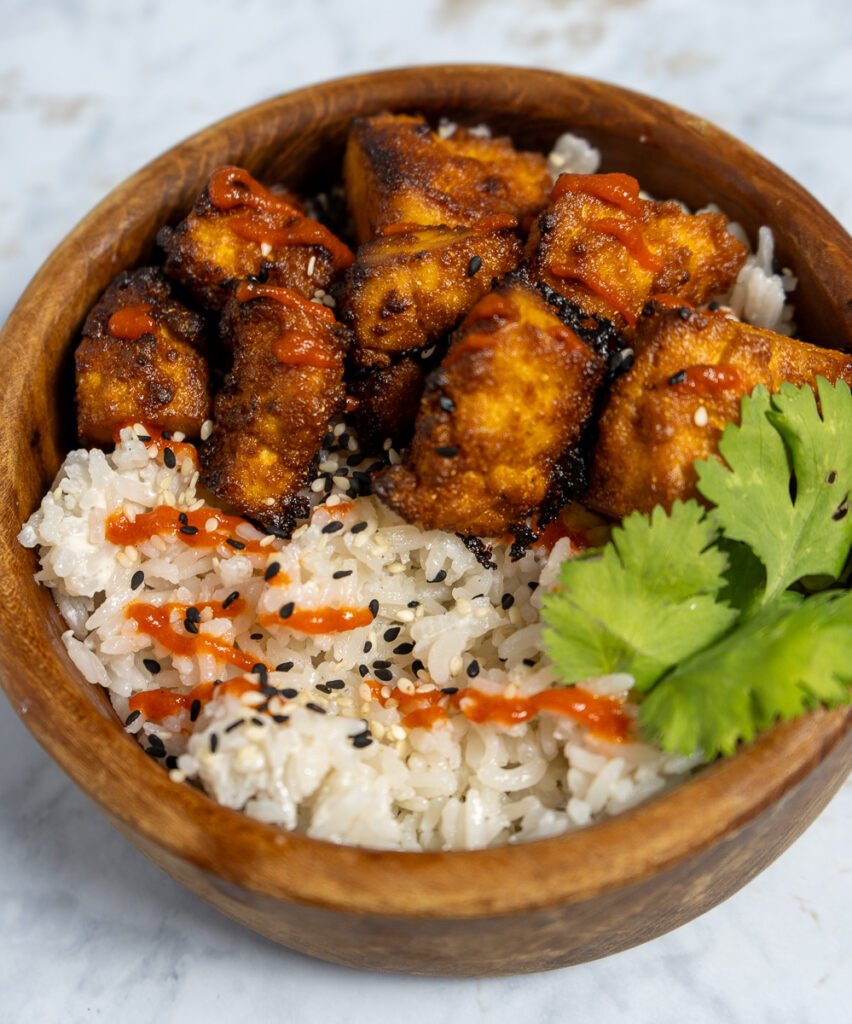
323	741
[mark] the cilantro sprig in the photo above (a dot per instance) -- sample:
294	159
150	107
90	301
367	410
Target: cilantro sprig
696	605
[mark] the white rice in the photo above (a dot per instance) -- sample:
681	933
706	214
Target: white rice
457	785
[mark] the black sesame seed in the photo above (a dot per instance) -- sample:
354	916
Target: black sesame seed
358	527
341	574
323	688
229	600
234	725
328	483
383	674
190	531
363	671
533	584
529	662
381	663
214	742
217	682
374	467
171	762
144	438
353	460
413	604
374	607
449	690
190	626
391	634
713	305
286	610
677	378
256	636
473	669
193	614
183	518
280	719
474	265
132	717
152	666
268	691
440	576
285	666
137	579
289	693
405	648
167	435
169	459
194	710
315	707
368	646
257	721
328	442
237	544
260	670
335	684
417	666
343	440
333	527
271	571
684	312
363	739
448	451
155	752
155	741
506	601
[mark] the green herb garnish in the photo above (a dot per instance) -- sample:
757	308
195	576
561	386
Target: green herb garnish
696	605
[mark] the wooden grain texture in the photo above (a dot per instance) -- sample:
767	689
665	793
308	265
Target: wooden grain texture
520	908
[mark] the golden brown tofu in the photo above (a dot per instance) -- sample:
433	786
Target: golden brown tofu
387	400
398	171
608	251
272	414
139	361
405	290
239	229
512	395
690	374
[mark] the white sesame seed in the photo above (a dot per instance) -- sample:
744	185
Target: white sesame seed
364	692
701	419
158	542
179	436
265	248
463	606
122	559
252	698
206	614
328	466
206	429
397	732
396	567
269	502
387	443
265	542
332	500
360	540
394	458
328	300
176	775
339	428
456	665
405	615
312	262
377	729
132	554
317	485
405	685
341	481
196	505
211	525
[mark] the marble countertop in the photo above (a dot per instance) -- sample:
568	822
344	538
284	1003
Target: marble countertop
89	90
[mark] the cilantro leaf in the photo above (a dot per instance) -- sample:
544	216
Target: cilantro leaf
785	489
791	656
641	604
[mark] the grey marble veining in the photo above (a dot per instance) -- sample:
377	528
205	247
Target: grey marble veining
89	90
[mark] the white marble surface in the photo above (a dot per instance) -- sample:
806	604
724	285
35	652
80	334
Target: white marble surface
89	930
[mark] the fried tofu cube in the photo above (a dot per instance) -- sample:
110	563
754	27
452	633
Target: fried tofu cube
238	229
140	360
670	408
398	171
272	415
406	290
386	400
513	394
608	251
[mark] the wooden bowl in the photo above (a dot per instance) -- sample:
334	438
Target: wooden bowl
518	908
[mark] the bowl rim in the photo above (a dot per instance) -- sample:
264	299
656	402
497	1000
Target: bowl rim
235	850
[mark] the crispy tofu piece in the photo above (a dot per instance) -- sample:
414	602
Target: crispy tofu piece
608	251
272	415
670	408
140	361
387	399
398	171
406	290
237	229
512	395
